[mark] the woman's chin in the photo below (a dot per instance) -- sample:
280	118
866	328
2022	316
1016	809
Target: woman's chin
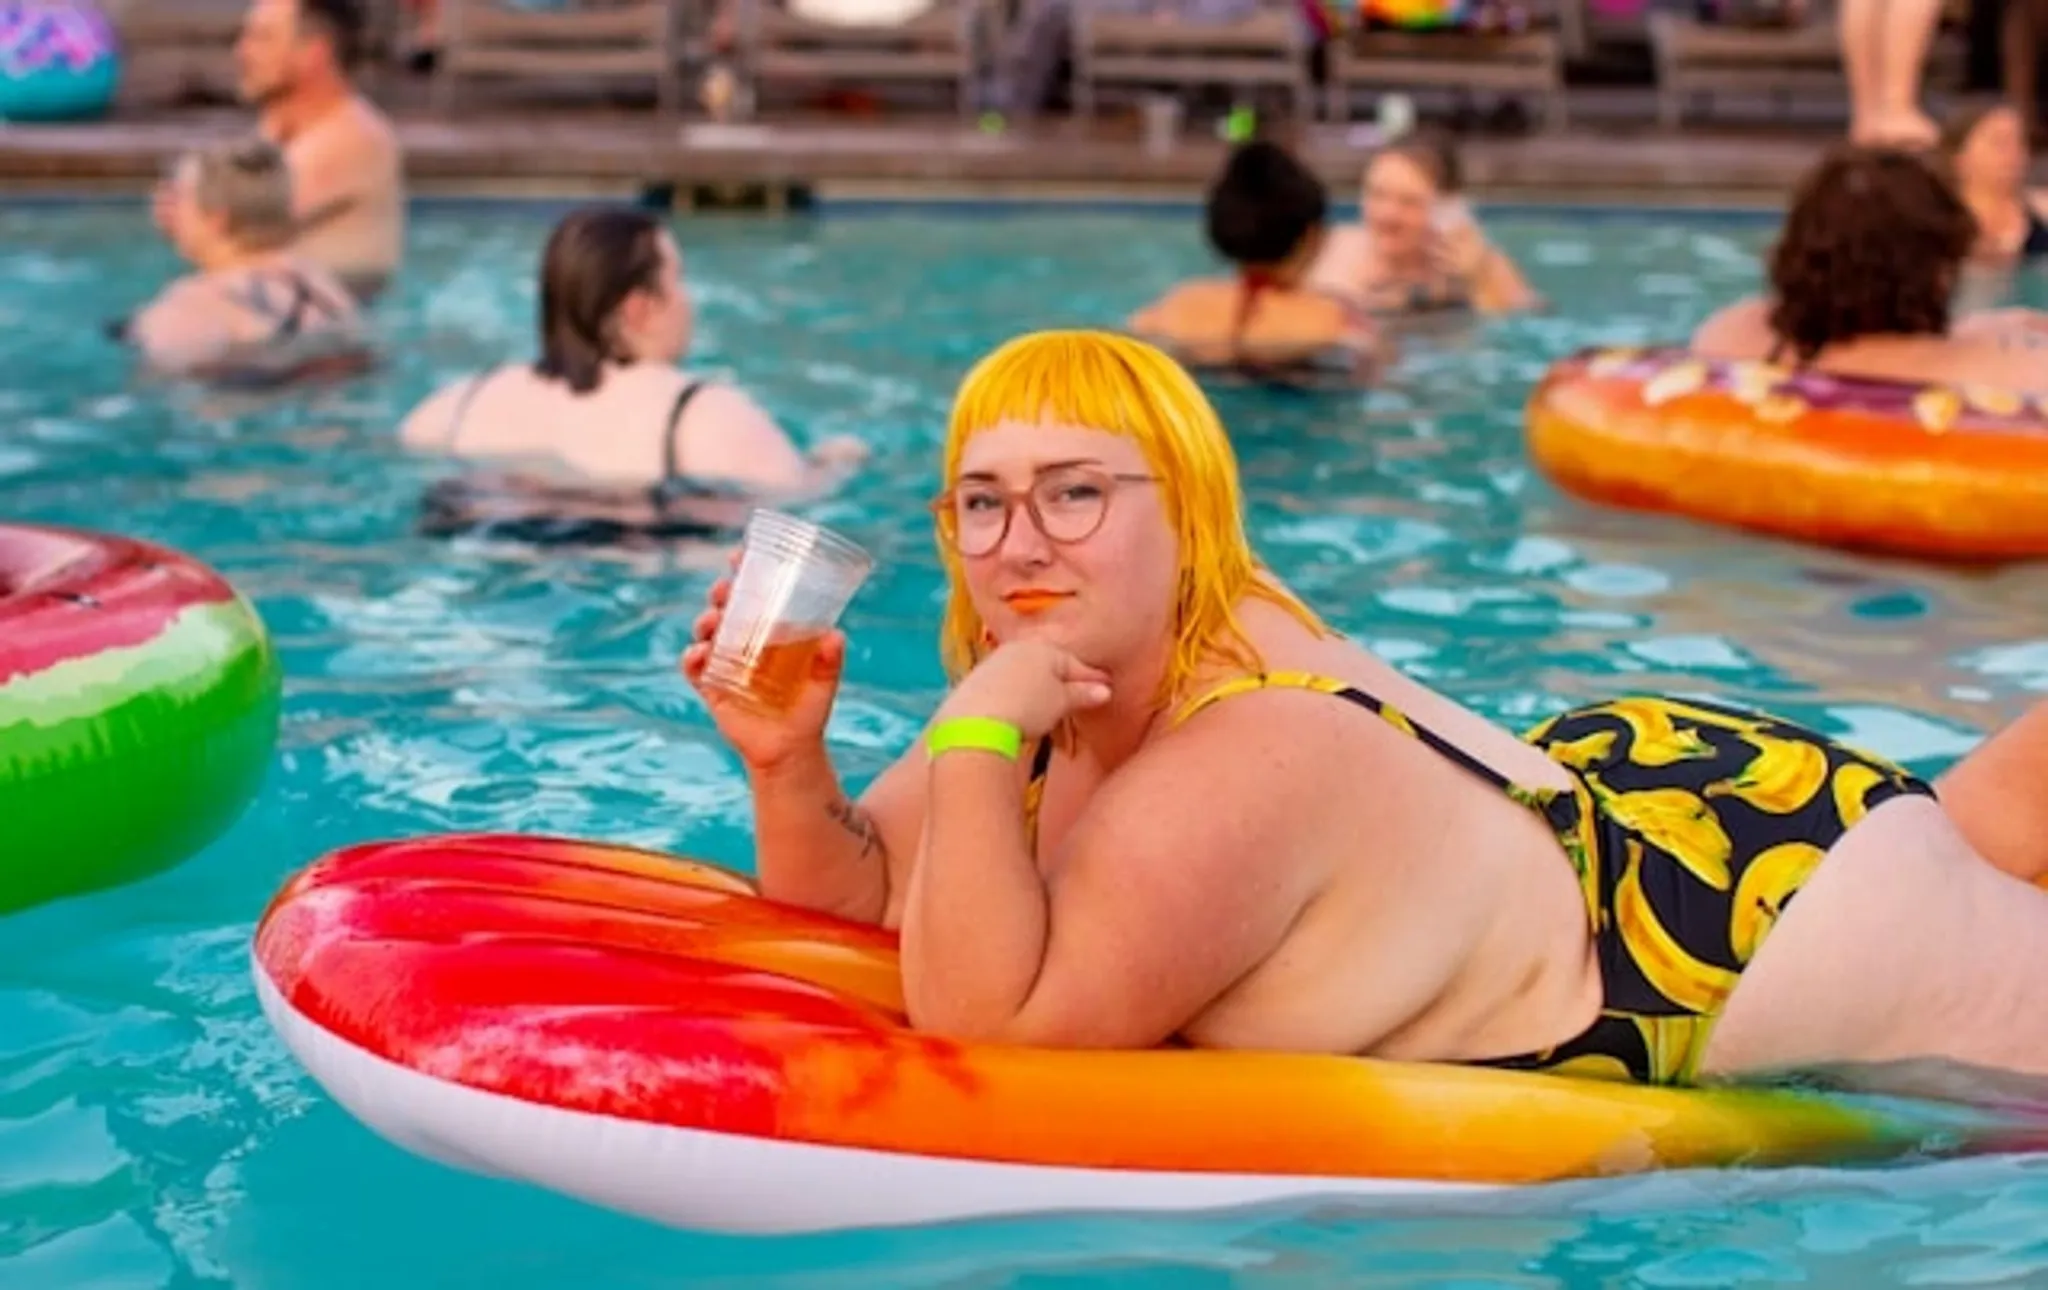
1033	627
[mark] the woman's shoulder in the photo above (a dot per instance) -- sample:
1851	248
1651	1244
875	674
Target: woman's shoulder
1740	330
1278	635
1343	260
189	289
1184	306
433	422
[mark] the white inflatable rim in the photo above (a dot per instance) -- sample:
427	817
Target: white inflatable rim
723	1182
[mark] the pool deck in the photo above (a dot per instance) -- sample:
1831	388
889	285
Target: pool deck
1615	155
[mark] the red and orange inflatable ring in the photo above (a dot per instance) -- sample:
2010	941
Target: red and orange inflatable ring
650	1033
1954	472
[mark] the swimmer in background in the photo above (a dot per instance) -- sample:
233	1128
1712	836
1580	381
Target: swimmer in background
348	183
1987	156
605	411
1863	280
253	310
1418	248
1268	215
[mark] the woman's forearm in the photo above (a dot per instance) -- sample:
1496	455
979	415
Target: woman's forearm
1502	288
815	846
976	919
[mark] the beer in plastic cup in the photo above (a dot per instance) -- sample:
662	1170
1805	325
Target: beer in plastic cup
794	581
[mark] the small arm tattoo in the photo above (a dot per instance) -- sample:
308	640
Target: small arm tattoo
855	821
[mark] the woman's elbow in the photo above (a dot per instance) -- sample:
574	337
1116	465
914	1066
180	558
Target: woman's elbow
177	356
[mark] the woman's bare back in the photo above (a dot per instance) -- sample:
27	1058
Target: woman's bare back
616	435
1998	356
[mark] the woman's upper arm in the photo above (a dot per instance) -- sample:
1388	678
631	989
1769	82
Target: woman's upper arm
726	435
894	804
1735	331
1502	288
430	426
1157	910
181	330
2008	357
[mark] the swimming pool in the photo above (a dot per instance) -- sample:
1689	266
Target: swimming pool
152	1133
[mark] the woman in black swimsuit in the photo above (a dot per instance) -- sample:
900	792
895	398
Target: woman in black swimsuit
604	436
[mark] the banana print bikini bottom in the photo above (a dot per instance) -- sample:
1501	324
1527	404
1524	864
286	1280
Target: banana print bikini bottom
1691	827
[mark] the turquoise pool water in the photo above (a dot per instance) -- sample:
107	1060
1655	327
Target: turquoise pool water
152	1133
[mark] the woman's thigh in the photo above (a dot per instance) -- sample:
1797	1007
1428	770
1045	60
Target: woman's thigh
1905	944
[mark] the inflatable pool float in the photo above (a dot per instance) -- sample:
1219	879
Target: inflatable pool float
649	1034
1417	15
138	709
1951	472
59	60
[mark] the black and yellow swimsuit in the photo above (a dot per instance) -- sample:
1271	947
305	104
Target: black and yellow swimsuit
1691	827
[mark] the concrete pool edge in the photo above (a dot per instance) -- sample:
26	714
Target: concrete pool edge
854	198
597	155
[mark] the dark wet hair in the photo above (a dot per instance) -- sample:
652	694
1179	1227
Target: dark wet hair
1436	153
342	22
1871	246
595	258
1263	205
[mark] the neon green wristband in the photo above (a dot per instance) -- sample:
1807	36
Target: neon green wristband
984	733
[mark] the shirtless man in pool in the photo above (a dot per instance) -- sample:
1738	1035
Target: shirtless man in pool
348	184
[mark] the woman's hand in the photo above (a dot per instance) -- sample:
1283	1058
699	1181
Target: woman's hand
1033	685
765	739
841	452
1459	250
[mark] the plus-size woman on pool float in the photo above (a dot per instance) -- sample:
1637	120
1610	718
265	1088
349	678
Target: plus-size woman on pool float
1164	802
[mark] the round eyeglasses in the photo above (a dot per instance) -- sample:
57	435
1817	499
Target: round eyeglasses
1066	503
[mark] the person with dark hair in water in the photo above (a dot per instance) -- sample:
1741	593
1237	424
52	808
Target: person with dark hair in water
1268	215
1862	280
347	176
605	404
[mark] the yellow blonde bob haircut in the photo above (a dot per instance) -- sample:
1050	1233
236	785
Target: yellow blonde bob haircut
1103	381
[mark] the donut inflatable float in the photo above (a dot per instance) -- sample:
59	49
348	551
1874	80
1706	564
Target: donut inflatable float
138	710
649	1034
59	60
1945	472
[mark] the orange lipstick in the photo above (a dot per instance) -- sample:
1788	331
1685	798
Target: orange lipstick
1033	601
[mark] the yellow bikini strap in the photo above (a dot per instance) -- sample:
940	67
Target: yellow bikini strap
1259	681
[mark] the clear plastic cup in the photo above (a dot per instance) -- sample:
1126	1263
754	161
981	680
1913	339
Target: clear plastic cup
794	581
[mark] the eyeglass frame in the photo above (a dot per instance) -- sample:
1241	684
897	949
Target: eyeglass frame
943	512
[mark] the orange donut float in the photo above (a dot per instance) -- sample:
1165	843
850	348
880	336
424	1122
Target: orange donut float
650	1034
1953	472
